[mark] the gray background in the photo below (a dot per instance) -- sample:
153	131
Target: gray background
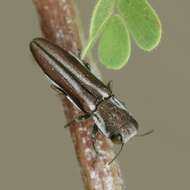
36	151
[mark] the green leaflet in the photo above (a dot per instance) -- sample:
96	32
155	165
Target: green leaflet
114	45
102	12
142	21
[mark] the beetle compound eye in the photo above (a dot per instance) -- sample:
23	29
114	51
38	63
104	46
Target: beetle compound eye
116	138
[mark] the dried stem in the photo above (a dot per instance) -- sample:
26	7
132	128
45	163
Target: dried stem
59	25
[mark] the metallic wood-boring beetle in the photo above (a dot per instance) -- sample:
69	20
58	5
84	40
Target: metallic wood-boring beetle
70	75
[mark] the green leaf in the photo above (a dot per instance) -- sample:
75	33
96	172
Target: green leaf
114	46
101	14
142	22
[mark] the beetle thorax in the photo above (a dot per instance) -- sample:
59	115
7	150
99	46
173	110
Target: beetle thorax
115	122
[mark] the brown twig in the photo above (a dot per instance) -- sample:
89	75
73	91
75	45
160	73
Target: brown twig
59	25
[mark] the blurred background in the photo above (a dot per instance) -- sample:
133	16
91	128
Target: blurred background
36	152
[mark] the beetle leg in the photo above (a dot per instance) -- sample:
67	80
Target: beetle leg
87	65
93	136
78	55
58	90
77	119
110	85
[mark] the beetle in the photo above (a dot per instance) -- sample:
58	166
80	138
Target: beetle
70	75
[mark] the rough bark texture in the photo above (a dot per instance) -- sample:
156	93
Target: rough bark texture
59	25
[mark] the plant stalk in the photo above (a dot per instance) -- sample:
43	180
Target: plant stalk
59	24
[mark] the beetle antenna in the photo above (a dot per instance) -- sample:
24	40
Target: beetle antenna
146	133
117	154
